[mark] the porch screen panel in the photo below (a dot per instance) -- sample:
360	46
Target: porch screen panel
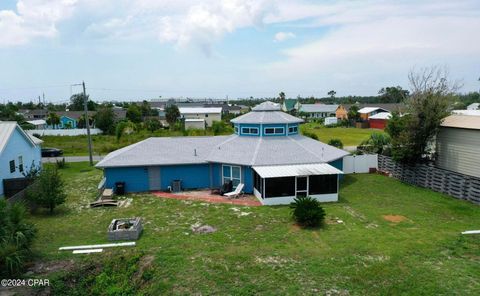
278	187
257	182
323	184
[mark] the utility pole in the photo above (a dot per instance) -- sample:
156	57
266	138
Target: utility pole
87	123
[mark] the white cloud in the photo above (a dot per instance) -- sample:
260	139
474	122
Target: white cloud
282	36
32	18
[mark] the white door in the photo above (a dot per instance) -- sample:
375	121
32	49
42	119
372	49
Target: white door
154	178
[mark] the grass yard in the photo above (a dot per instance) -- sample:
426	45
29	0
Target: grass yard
104	144
416	249
349	136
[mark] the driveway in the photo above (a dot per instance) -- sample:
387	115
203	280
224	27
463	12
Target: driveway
71	158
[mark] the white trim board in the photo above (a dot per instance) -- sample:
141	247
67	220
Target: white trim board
85	247
87	251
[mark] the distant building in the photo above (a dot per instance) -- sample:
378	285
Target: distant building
33	114
38	123
458	145
290	105
366	112
379	120
208	114
473	106
19	152
193	123
318	110
471	112
341	113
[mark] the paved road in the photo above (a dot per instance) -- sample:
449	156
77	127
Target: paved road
71	158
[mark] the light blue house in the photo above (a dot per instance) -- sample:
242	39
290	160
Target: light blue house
19	152
266	153
67	122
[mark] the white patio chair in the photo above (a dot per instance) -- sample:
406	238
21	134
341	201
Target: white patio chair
236	192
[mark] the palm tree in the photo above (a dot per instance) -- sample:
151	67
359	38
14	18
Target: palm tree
53	119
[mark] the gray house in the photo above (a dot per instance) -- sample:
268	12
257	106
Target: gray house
458	145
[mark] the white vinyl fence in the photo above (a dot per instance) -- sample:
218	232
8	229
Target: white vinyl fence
64	132
354	164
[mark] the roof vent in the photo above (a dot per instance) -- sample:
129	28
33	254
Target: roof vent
194	152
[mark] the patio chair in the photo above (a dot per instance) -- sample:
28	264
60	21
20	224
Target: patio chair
236	192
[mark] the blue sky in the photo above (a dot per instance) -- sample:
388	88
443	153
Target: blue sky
143	49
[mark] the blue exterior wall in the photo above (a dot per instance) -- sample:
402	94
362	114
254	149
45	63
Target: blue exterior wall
337	164
17	146
192	176
195	176
261	128
64	120
135	178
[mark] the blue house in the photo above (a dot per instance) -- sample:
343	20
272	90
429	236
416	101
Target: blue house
266	153
19	152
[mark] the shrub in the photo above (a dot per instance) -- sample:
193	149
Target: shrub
16	237
48	190
310	135
307	211
336	143
377	143
61	164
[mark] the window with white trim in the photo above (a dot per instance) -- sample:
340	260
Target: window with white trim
293	129
20	164
232	172
274	130
250	130
12	166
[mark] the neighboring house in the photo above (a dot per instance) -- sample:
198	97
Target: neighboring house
208	114
458	144
194	123
379	120
33	114
38	124
391	107
473	106
366	112
318	110
341	113
266	153
70	119
290	105
471	112
19	152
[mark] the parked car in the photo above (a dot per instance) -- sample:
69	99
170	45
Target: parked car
51	152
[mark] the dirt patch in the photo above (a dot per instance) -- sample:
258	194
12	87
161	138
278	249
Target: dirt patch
41	268
394	218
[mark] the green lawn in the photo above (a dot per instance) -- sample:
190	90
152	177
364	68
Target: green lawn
264	252
349	136
104	144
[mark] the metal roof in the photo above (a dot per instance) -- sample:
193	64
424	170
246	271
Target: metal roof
37	122
275	171
462	121
232	149
198	110
367	110
312	108
381	115
266	117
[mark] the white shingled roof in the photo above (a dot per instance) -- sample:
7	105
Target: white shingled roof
37	122
266	117
467	112
200	110
232	149
6	130
275	171
267	106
